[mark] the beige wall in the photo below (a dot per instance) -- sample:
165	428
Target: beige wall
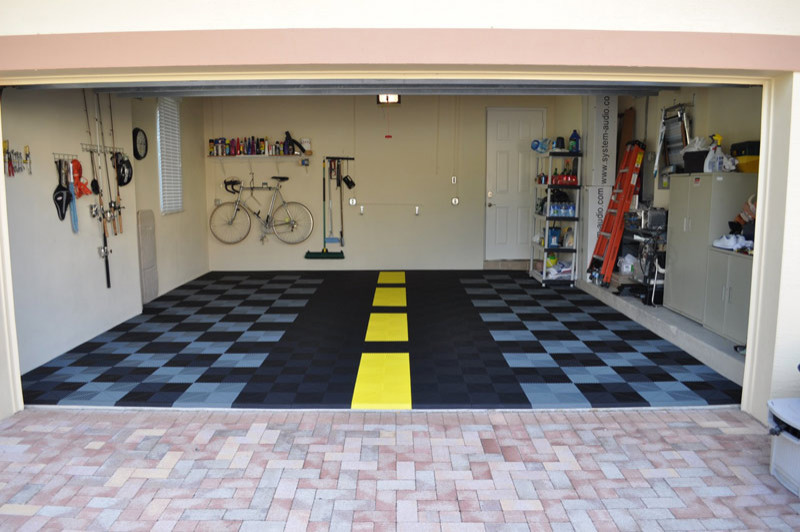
739	16
733	112
433	138
181	240
60	293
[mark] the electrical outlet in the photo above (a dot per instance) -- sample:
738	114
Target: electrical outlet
217	201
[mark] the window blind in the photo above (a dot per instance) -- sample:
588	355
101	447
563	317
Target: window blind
169	155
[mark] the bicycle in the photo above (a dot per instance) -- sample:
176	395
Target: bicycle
290	221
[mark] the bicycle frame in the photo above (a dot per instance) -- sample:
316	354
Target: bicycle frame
265	221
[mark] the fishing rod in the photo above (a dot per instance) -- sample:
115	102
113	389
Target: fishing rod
98	210
112	206
116	161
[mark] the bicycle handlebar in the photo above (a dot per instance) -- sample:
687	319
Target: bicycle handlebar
234	185
231	184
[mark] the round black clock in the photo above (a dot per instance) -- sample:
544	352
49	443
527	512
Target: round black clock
139	143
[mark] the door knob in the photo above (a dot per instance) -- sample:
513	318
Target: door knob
490	204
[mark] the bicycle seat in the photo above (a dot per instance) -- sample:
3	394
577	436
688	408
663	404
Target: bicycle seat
280	178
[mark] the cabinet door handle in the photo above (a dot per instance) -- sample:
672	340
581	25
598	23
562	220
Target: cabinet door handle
730	291
684	224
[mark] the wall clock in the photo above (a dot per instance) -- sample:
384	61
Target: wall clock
139	143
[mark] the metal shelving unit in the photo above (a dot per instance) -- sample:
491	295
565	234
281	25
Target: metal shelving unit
547	217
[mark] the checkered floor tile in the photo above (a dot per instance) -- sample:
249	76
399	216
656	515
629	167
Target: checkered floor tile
294	340
569	350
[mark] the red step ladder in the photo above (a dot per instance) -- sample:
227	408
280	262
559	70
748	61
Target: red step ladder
610	235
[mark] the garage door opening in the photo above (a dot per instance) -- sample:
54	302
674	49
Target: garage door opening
403	218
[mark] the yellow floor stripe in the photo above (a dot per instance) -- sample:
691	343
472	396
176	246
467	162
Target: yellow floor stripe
389	296
383	382
392	278
384	327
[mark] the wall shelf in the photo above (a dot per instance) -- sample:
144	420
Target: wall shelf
556	153
556	218
536	274
308	153
554	249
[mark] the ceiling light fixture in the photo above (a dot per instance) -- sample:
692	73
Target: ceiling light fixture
388	99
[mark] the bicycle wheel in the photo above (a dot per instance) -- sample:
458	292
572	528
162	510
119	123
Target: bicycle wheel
229	224
292	222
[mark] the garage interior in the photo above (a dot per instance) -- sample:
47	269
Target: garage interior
78	339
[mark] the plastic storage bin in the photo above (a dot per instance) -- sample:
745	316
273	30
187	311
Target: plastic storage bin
784	422
748	163
750	147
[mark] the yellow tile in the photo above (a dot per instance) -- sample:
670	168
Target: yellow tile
383	382
392	278
389	296
387	327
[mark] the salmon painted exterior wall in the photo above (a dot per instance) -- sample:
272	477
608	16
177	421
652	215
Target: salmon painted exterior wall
131	52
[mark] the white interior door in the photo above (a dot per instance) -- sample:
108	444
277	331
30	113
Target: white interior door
509	172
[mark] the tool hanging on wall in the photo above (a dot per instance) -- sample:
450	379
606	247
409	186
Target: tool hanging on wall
79	182
8	165
28	161
73	205
113	208
14	161
121	164
332	171
97	210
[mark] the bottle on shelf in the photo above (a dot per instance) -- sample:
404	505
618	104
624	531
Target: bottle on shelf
568	241
574	142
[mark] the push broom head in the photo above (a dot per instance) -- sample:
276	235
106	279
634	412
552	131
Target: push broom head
324	254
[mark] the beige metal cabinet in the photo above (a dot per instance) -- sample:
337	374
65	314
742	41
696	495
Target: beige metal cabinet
727	298
700	207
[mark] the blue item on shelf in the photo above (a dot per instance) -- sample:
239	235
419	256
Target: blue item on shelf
574	142
554	234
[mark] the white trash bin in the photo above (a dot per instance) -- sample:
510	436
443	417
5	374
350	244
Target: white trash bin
784	423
